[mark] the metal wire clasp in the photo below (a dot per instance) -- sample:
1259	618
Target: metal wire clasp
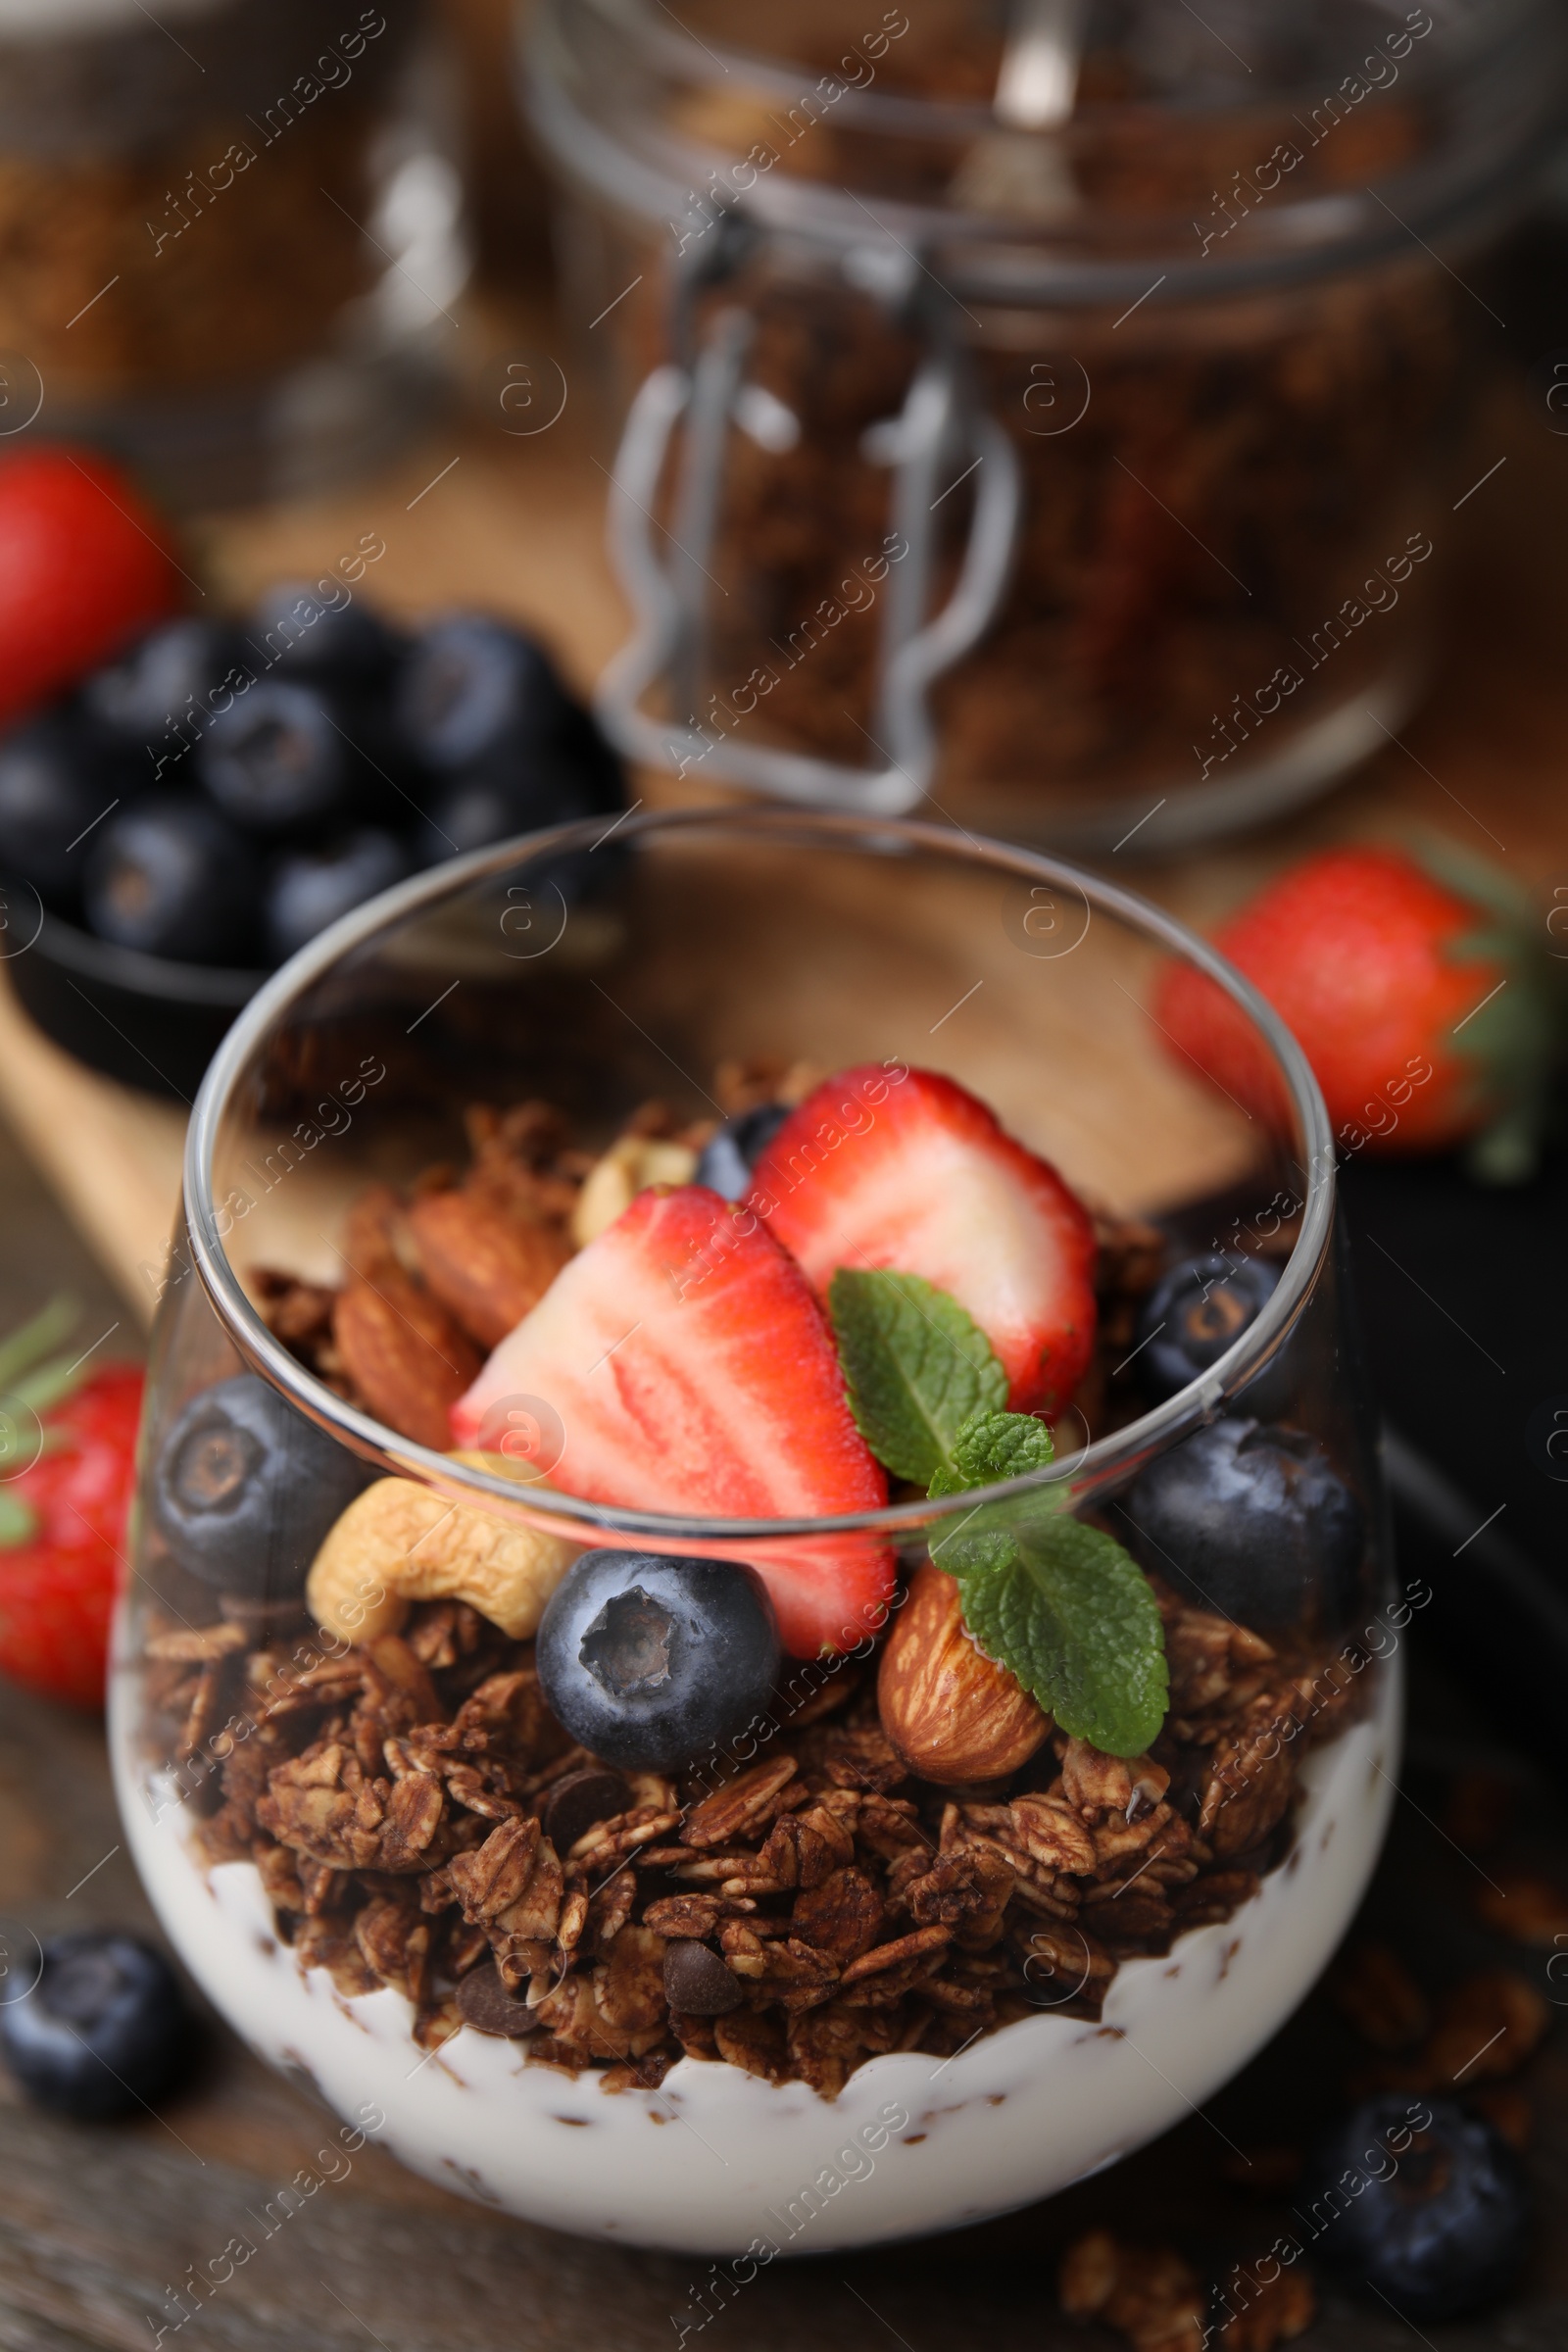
941	431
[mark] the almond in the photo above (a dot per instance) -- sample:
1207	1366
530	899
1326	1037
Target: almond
403	1354
953	1716
488	1266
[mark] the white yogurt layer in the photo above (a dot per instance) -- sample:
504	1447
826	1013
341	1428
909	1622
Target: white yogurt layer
717	2162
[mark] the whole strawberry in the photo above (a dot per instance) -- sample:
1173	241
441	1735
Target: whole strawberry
1412	985
83	568
63	1517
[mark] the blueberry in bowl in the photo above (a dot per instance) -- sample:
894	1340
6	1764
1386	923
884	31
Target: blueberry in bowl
310	888
244	1488
1198	1310
652	1660
163	678
170	878
1251	1520
280	772
280	759
474	689
492	802
57	784
105	2031
307	636
1428	2203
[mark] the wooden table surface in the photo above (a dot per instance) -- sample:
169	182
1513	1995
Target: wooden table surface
98	2226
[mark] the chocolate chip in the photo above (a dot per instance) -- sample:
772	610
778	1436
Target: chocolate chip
484	2003
697	1981
578	1800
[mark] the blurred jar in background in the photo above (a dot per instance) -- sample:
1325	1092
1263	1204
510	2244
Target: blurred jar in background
231	233
1049	409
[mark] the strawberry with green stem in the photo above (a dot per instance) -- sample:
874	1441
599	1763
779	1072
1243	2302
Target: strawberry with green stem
68	1450
1415	982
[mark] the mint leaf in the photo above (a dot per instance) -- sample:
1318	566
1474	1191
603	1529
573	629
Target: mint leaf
916	1366
1094	1638
1073	1618
992	1446
1061	1605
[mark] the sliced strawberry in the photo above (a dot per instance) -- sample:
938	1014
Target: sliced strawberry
905	1170
693	1372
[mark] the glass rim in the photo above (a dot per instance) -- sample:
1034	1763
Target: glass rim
564	1514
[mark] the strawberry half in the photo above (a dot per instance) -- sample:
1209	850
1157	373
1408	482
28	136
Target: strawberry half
693	1372
903	1170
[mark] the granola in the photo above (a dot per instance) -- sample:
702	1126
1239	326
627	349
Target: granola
1154	2297
420	1820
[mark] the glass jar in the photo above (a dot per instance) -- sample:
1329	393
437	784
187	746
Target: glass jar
1097	2007
1046	413
231	235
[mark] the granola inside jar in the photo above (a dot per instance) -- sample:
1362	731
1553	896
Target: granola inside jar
1046	413
207	222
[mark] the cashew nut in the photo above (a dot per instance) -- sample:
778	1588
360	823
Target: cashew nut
630	1166
400	1543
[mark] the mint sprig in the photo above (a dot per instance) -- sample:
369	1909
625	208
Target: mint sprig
1060	1605
916	1366
1071	1615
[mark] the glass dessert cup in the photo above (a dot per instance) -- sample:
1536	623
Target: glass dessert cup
593	974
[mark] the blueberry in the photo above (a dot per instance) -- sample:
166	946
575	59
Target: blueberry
104	2031
1249	1519
1444	2230
472	688
470	811
55	786
167	676
652	1661
169	878
312	887
728	1159
1193	1314
299	634
244	1488
282	758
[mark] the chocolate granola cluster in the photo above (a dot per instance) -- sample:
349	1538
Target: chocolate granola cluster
421	1821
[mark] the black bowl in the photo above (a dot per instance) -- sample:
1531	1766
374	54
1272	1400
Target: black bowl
144	1019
